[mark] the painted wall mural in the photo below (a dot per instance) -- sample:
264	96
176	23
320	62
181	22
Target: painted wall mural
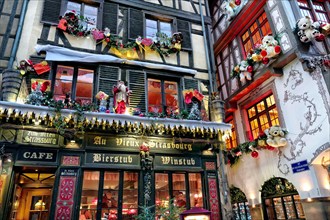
311	122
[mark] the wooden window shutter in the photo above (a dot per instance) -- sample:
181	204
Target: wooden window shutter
108	77
137	83
110	17
51	11
135	27
184	28
190	84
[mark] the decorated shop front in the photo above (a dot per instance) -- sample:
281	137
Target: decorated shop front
111	170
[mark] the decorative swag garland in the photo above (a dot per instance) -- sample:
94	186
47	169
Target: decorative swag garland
77	25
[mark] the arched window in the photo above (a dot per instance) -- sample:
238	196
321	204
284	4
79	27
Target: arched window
239	204
281	200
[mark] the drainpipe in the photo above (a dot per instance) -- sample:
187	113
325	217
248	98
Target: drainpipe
18	34
206	48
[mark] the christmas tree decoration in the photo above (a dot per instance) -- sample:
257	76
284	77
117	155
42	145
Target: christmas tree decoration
195	113
102	97
37	97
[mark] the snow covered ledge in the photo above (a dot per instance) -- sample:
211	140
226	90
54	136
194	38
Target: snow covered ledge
93	116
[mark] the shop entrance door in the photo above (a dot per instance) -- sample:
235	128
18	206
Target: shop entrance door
32	195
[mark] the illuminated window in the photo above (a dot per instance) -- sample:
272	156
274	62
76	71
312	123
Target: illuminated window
262	115
314	9
173	185
231	142
256	32
163	96
75	82
154	26
90	12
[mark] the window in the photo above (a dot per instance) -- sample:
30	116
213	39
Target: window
226	60
314	9
174	185
281	200
262	115
239	203
231	142
75	82
118	196
163	96
88	11
154	26
256	32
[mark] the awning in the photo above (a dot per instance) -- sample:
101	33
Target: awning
55	53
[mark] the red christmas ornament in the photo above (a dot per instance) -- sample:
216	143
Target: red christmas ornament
277	49
107	111
107	40
250	69
319	38
270	148
265	60
237	2
254	154
263	53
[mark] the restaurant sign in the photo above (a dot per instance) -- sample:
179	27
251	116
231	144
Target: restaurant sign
33	137
112	159
169	161
130	143
41	155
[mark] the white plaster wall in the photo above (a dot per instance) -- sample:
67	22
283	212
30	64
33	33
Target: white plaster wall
31	30
299	101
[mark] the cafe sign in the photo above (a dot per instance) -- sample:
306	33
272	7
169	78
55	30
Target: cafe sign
112	159
40	155
33	137
131	143
178	162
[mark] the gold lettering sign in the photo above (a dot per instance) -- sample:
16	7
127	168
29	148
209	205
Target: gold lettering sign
98	140
105	158
176	161
39	137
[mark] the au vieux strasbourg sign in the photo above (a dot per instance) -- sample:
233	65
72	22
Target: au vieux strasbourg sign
129	143
40	138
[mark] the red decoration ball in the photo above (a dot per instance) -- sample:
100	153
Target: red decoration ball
263	53
107	39
250	69
265	60
254	154
270	148
320	38
107	111
237	2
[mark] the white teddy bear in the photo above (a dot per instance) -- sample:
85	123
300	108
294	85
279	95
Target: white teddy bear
269	47
275	136
308	30
230	7
245	71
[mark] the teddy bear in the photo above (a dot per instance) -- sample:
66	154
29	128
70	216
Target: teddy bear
229	7
308	31
275	136
269	47
245	71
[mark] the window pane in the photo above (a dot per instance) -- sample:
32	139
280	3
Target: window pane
165	28
179	189
90	13
154	96
251	112
130	195
260	106
195	185
299	207
171	96
84	89
89	194
264	122
63	82
162	189
151	28
110	194
74	6
254	128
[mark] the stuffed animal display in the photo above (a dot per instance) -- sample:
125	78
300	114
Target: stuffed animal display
308	31
245	71
230	8
269	47
276	136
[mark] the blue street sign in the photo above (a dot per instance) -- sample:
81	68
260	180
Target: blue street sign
300	166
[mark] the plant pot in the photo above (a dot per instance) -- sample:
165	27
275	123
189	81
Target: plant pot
217	110
11	84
